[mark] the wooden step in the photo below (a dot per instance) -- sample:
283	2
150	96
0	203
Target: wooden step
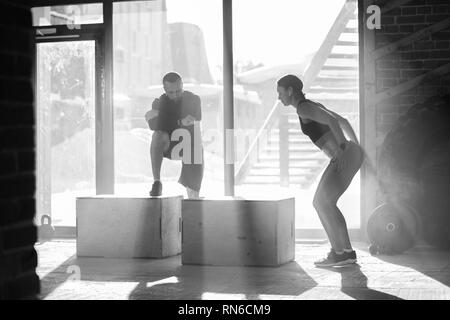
312	166
335	81
350	30
343	56
293	139
290	131
344	75
313	157
292	143
276	171
274	180
294	148
327	96
332	90
340	68
342	62
299	165
346	43
293	156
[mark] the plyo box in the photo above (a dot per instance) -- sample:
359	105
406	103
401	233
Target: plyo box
128	227
237	231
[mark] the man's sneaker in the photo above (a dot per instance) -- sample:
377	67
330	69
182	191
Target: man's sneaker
334	259
156	189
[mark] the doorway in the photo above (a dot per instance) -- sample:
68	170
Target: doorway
72	110
65	132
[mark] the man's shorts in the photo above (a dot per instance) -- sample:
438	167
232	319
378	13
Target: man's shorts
191	174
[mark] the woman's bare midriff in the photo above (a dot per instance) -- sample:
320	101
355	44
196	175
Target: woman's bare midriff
328	144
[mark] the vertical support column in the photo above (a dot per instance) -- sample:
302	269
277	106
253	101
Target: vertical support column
104	156
228	106
43	138
368	114
284	147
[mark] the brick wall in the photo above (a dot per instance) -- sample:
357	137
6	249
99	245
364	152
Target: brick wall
409	61
416	58
18	258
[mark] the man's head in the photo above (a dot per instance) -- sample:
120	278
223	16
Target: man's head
289	88
173	86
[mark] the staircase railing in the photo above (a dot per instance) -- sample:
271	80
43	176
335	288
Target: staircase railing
327	45
309	76
283	148
253	151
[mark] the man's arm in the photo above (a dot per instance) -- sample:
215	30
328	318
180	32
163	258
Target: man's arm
194	112
152	115
197	108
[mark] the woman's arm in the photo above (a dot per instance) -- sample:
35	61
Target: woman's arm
322	115
346	126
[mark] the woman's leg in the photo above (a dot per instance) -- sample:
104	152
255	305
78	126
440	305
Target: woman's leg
331	186
326	211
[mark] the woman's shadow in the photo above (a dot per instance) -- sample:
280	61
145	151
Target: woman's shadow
354	284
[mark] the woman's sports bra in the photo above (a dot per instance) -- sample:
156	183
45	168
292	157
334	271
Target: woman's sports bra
313	129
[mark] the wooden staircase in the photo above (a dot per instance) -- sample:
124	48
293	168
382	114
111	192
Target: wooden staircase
331	79
305	159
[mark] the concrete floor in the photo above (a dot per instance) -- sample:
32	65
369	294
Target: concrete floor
421	273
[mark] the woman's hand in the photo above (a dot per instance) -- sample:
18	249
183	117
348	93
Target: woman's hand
339	158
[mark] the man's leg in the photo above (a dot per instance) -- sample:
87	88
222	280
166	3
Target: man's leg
191	177
192	194
159	145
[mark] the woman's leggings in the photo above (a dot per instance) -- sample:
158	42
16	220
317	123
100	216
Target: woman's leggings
331	186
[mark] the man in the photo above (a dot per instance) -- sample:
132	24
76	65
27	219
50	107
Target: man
176	113
326	130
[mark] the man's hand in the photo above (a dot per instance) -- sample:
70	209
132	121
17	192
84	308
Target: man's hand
151	114
188	121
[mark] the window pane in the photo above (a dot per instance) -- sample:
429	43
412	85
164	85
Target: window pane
283	38
69	15
65	128
151	38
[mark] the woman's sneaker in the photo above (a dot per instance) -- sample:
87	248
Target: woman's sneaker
334	259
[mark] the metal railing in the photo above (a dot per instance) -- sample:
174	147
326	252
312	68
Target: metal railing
259	141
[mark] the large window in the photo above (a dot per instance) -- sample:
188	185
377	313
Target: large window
316	41
291	37
152	38
65	127
71	15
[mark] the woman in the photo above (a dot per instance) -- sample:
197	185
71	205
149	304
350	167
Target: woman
326	130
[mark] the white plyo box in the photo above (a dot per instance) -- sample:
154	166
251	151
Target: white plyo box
128	227
240	232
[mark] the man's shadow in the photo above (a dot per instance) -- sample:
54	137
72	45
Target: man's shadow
354	284
193	282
